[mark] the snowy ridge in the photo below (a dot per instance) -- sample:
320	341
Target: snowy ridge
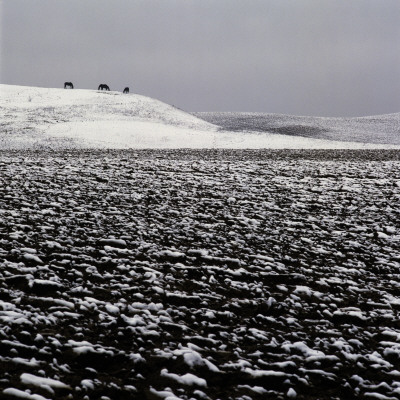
33	116
43	118
60	105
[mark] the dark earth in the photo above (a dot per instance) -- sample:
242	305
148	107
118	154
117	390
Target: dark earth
200	274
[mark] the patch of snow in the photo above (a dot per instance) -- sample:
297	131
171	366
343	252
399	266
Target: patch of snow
187	379
29	379
23	395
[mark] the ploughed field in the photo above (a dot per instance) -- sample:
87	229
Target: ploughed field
200	274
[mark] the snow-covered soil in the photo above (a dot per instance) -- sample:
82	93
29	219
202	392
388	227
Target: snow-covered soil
42	118
376	129
200	275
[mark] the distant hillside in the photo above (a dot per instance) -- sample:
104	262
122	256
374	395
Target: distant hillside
382	129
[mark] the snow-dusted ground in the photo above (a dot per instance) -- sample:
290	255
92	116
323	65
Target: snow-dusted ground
200	275
42	118
378	129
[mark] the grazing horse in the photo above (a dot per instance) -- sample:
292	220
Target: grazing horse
126	90
103	86
68	84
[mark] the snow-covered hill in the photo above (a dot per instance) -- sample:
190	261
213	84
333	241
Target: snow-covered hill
377	129
33	116
37	118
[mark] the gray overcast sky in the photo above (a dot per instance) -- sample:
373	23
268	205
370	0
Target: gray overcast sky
304	57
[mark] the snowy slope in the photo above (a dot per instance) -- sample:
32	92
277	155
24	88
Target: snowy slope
372	129
34	116
39	118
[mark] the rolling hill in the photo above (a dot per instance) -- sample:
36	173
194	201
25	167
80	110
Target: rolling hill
379	129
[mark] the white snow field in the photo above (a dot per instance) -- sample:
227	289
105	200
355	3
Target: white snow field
35	118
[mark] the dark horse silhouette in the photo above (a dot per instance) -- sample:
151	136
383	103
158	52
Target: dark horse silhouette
103	86
68	84
126	90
